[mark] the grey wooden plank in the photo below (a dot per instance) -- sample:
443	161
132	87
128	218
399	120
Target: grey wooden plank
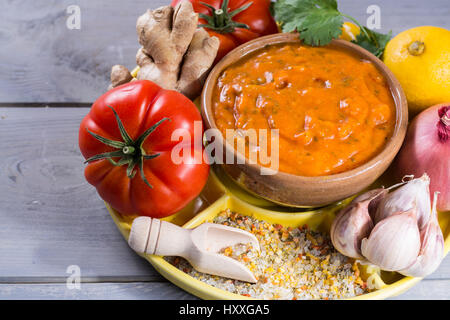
425	290
45	105
95	291
43	61
50	217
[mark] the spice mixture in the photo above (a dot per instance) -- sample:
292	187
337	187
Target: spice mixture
293	263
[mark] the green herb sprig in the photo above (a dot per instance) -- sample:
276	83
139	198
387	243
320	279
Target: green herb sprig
319	21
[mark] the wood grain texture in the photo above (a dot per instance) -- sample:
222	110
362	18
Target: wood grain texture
95	291
428	289
41	60
424	290
51	218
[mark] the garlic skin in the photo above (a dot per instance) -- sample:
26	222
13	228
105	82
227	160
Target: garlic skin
374	197
415	193
432	249
394	242
350	226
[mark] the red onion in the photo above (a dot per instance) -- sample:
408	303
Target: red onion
427	150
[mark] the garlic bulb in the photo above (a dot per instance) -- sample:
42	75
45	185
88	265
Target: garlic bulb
349	227
395	230
394	242
415	193
432	249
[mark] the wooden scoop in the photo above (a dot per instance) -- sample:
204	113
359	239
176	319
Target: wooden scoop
200	246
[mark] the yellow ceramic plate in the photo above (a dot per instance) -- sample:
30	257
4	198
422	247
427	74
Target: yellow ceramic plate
221	193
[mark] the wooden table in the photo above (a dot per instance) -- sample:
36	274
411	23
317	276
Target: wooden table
51	218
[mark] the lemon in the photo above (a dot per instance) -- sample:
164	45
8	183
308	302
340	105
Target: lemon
349	31
420	59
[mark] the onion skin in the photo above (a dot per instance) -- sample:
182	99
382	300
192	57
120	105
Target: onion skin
424	151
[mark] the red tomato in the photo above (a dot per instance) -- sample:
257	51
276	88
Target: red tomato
234	28
155	186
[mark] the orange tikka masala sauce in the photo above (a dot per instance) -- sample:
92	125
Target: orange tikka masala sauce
334	110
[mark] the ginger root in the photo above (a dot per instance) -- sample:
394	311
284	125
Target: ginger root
119	75
175	54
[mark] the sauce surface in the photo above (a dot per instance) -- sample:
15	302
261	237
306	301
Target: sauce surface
334	110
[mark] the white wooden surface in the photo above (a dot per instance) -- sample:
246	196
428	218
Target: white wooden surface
50	218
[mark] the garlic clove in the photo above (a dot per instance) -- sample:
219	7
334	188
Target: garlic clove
374	197
415	193
432	249
350	226
394	242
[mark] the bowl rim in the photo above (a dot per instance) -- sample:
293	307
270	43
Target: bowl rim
401	107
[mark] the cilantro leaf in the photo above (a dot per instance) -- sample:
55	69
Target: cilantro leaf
317	21
375	43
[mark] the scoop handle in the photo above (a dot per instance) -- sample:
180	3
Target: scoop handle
153	236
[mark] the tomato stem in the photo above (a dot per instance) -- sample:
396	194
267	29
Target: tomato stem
221	19
130	152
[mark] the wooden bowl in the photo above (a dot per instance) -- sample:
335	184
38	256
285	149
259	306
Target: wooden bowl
300	191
